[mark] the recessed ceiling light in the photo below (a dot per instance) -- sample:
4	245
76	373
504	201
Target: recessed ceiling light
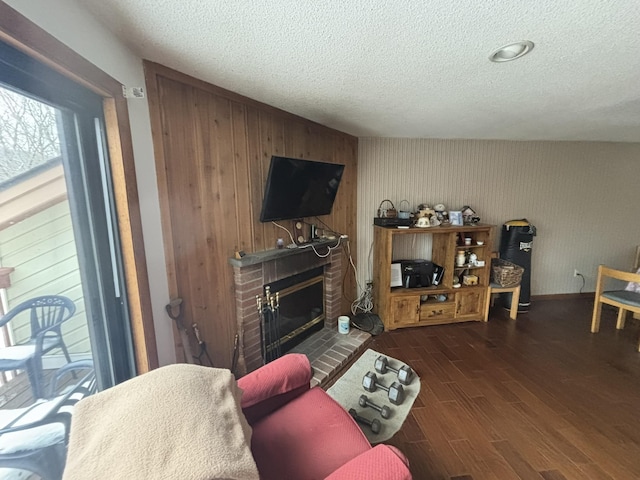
511	51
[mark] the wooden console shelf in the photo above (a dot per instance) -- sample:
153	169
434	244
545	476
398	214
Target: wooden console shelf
410	307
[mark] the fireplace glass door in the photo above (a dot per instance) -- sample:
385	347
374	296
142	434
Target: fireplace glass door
300	313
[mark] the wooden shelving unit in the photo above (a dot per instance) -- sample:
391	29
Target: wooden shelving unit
409	307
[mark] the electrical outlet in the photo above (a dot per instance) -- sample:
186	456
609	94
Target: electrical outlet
576	272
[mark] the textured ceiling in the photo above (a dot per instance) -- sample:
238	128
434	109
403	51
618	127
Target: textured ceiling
407	68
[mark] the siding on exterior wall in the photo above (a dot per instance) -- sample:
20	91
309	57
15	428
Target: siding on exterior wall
581	196
42	251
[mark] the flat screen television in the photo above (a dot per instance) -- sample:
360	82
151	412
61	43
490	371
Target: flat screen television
298	188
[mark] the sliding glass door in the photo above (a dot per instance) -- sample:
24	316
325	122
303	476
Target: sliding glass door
58	229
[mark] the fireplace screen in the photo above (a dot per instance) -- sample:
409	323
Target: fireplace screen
298	312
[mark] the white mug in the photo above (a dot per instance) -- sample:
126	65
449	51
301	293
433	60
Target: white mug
343	324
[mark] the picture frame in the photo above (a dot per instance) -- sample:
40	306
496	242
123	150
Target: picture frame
455	217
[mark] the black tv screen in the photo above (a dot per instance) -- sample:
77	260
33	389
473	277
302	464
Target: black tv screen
299	188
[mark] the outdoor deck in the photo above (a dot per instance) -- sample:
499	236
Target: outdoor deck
16	393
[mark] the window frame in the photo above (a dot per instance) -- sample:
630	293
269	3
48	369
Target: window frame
24	35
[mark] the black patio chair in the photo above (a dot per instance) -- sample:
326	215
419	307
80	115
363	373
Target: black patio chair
47	313
35	438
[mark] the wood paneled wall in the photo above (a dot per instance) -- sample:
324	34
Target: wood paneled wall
213	148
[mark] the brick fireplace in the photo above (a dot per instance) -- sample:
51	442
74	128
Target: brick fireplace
326	349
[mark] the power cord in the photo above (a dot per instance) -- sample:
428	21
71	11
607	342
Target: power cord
353	266
364	303
311	245
583	281
293	242
329	247
326	226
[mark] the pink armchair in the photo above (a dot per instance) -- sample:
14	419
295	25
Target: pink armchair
302	433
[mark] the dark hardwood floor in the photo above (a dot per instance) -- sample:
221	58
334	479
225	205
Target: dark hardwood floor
536	398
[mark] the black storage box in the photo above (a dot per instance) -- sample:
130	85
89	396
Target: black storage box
392	222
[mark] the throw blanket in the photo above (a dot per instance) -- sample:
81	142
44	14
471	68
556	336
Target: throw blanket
176	422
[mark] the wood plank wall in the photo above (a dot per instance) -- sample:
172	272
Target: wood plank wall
213	148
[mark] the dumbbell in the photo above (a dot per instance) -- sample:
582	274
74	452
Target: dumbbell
404	373
385	411
395	392
374	424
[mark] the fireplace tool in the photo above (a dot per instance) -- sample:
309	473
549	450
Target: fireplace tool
174	306
275	313
263	345
269	313
203	346
236	352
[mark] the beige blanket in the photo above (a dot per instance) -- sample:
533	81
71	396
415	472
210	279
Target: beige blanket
177	422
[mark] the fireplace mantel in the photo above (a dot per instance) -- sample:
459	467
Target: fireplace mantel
280	253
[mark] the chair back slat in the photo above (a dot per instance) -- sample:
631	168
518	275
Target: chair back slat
46	315
604	271
48	311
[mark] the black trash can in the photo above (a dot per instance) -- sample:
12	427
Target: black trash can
516	245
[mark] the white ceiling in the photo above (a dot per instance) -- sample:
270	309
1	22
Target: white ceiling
407	68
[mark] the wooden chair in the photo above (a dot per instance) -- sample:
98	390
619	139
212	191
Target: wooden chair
624	300
636	266
496	288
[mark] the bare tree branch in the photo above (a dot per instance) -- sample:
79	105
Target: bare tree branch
28	134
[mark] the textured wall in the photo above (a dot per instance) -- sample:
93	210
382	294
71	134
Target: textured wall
405	68
582	197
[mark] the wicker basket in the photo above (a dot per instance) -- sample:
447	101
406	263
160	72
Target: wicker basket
506	274
389	212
